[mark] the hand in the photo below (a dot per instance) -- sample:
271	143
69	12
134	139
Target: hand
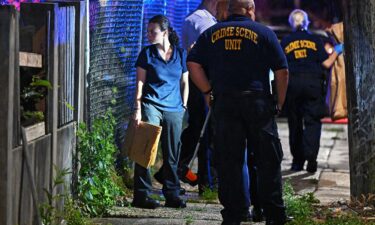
209	98
339	48
278	109
137	116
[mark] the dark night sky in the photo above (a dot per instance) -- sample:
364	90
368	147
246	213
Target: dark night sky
322	13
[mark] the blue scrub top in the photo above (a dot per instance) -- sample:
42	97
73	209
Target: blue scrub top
162	86
237	55
305	52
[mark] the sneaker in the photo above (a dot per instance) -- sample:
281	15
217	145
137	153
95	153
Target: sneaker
175	202
147	203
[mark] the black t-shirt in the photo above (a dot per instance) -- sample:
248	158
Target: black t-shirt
237	54
305	52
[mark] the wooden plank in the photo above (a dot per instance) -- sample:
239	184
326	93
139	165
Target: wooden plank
9	19
35	131
66	140
16	183
28	59
37	18
39	152
16	90
79	49
42	169
66	145
39	15
26	203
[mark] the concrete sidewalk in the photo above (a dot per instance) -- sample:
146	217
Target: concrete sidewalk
329	184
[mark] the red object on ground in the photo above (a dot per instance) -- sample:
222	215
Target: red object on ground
191	176
340	121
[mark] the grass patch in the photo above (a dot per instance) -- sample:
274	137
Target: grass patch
209	195
189	220
305	210
298	206
157	197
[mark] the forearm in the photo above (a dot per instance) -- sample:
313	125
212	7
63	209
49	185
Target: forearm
281	79
330	61
185	88
138	95
141	77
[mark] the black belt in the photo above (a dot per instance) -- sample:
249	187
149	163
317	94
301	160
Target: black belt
307	75
246	93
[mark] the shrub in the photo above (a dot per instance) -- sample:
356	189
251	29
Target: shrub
97	190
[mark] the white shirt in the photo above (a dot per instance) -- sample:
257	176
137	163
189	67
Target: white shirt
195	24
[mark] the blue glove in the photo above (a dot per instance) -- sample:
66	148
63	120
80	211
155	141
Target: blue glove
339	48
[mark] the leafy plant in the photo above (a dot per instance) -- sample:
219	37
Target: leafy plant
50	213
304	210
97	190
189	220
32	94
72	214
209	195
37	116
298	205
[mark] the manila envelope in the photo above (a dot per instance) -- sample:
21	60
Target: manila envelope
141	143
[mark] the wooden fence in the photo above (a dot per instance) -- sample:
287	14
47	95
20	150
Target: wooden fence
54	31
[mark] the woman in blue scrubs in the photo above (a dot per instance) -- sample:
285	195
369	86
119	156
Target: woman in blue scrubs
161	98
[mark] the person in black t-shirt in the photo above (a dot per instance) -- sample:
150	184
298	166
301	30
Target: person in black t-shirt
238	54
305	104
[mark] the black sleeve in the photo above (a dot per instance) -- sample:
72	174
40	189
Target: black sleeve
322	54
275	53
199	53
142	59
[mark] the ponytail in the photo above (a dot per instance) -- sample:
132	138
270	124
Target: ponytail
173	37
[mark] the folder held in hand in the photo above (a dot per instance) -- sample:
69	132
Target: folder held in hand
141	143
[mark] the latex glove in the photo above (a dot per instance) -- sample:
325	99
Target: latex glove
339	48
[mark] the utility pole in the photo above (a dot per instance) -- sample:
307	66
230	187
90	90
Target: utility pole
359	26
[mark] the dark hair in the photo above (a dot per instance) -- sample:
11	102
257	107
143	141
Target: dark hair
164	24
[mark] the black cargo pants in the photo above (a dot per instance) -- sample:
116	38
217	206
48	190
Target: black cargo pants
240	118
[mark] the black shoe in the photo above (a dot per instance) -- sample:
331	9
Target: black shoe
230	223
182	191
257	215
246	218
312	166
175	203
287	219
296	167
159	177
147	203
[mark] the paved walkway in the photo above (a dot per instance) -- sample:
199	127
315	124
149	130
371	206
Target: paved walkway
330	183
